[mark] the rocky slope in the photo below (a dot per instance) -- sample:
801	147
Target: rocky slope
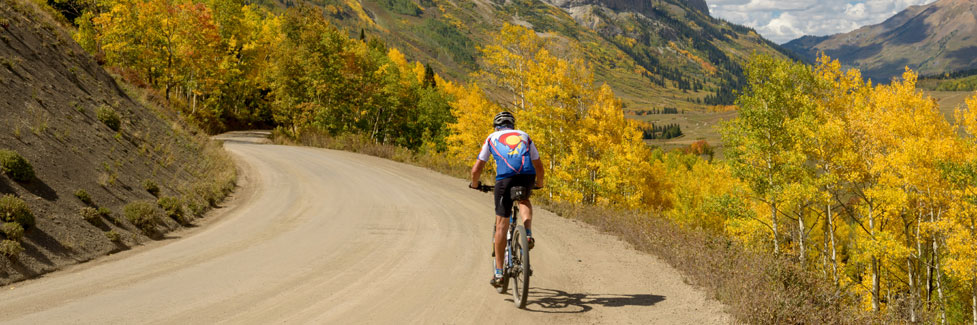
56	105
932	39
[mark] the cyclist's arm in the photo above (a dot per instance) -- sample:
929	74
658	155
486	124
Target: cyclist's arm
483	156
537	164
476	172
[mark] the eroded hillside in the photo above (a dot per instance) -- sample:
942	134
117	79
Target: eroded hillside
111	170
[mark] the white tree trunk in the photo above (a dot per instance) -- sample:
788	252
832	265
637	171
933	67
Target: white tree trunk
773	217
973	299
834	251
800	238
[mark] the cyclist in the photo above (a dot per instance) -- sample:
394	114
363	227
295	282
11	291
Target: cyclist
518	164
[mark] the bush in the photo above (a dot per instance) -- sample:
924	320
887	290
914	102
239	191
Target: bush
10	248
151	187
13	230
83	196
105	212
13	164
142	214
113	236
90	214
109	117
13	209
173	208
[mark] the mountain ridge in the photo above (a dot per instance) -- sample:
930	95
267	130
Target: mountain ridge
936	38
654	54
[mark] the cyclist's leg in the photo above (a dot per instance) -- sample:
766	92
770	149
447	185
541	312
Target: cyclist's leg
526	207
526	212
503	209
501	226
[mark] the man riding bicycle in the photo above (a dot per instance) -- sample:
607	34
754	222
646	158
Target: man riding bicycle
511	149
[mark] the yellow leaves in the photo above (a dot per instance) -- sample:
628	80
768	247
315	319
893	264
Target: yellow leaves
962	245
592	152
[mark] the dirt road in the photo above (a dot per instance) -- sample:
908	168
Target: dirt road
321	236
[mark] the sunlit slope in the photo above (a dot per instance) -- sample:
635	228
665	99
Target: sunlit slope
656	54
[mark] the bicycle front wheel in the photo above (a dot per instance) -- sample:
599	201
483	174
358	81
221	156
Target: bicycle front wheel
520	267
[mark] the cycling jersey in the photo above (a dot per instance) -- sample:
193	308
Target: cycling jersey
513	151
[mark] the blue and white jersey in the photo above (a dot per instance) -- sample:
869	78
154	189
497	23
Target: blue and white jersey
513	151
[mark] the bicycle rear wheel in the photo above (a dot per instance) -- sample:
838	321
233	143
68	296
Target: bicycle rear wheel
520	267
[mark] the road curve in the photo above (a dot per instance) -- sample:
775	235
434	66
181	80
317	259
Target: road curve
323	236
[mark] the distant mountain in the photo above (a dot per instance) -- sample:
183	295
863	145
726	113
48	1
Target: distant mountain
653	53
932	39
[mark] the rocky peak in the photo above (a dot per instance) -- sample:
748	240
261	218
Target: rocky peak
629	5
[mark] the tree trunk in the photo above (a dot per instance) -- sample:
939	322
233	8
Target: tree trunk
834	251
875	263
939	283
973	299
800	237
910	270
773	217
937	273
875	284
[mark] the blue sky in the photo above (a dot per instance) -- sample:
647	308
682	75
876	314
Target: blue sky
784	20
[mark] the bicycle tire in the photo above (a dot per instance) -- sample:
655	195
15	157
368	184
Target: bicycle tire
505	281
520	268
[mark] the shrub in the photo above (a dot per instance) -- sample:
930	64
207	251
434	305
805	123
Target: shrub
105	212
19	169
113	236
13	230
151	187
173	208
142	214
10	248
83	196
13	209
90	214
108	116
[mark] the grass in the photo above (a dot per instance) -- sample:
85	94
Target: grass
151	187
12	230
144	215
90	214
10	248
13	209
113	236
14	165
173	209
83	196
109	117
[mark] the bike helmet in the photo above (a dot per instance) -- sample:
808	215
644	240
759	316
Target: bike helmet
504	119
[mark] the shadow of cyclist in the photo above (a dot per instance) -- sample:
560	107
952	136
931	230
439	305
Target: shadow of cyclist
558	301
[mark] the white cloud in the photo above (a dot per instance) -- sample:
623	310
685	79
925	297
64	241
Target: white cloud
784	20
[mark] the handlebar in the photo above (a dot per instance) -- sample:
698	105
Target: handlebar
489	188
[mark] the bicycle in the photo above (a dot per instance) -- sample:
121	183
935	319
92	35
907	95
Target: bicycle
515	264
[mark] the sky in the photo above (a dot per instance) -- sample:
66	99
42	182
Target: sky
784	20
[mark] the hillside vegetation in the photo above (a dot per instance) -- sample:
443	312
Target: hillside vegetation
77	149
653	54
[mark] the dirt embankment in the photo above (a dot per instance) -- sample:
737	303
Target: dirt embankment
56	108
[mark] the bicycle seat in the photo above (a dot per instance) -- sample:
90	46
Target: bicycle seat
519	193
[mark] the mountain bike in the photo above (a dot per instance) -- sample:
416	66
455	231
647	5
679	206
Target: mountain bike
515	264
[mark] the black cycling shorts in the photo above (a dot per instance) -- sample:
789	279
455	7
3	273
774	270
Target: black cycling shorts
503	201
